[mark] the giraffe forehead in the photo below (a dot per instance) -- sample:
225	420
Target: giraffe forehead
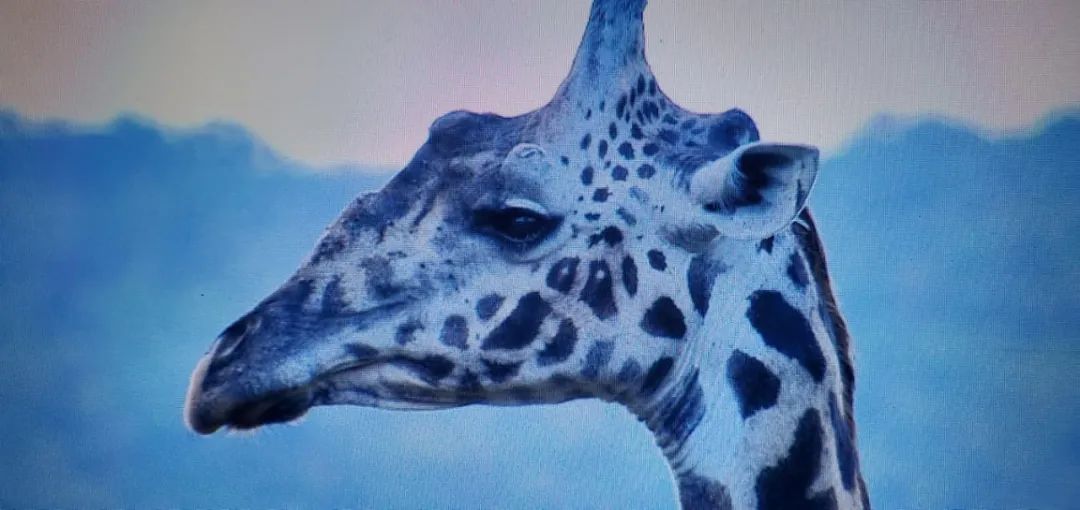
618	130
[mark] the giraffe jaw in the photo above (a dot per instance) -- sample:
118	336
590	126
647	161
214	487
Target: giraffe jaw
385	384
377	383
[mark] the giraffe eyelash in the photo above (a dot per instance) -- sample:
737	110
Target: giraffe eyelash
519	226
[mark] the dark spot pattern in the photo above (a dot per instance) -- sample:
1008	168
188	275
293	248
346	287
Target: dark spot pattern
635	132
455	332
619	173
561	346
600	195
626	150
664	319
797	271
629	275
380	277
499	372
629	372
656	374
786	485
650	149
612	235
431	369
700	493
598	292
470	383
587	175
669	135
586	141
785	329
700	278
626	216
333	298
650	110
488	305
756	387
613	131
562	274
406	332
657	260
646	171
846	459
601	148
521	326
766	244
597	358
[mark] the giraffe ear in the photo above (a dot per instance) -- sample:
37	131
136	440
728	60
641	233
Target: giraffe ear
757	189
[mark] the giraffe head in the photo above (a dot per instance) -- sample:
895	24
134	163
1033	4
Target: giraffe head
560	254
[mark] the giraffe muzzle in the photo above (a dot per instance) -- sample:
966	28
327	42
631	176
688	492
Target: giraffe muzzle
205	415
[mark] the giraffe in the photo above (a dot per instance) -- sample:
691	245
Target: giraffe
609	245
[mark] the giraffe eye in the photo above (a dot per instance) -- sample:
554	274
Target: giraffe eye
515	224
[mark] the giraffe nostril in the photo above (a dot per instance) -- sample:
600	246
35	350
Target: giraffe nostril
233	336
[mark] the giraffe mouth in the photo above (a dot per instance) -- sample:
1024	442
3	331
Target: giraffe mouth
393	383
281	407
291	404
399	383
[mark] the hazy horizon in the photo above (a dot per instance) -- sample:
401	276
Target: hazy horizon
343	82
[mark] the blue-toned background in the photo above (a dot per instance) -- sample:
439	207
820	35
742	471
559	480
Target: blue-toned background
126	247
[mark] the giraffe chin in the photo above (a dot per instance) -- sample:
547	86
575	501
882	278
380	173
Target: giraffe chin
397	384
281	408
207	416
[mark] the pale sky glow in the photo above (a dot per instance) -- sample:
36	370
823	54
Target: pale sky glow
359	82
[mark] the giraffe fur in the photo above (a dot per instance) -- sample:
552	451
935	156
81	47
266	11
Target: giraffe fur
610	245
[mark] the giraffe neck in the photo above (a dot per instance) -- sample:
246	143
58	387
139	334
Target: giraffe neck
756	416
